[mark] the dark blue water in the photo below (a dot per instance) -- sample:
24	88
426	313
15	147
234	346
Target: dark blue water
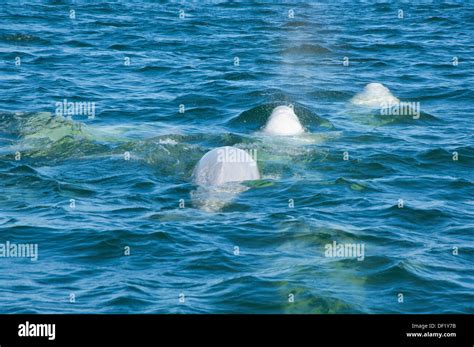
228	65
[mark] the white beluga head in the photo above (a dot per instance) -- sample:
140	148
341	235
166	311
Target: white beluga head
375	95
284	122
219	174
225	164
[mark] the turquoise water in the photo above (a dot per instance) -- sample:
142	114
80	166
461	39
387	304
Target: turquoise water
228	65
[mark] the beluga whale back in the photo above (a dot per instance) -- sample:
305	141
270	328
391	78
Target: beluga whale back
284	122
225	164
375	95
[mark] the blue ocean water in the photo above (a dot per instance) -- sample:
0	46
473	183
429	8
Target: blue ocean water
109	199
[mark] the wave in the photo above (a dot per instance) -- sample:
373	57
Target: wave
445	157
460	94
306	48
154	68
330	95
296	24
21	38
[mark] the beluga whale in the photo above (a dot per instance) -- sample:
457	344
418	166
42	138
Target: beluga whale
220	171
225	164
375	95
219	174
283	122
